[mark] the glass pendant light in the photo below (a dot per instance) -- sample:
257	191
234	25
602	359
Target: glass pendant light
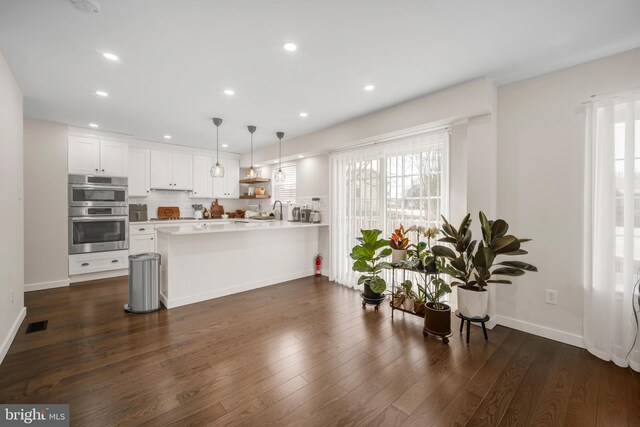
217	170
279	174
252	170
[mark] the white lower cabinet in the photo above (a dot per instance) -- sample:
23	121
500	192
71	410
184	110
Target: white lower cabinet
141	244
142	238
97	261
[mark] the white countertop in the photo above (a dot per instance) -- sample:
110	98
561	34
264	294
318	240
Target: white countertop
224	226
178	221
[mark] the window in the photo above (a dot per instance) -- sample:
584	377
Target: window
404	181
285	191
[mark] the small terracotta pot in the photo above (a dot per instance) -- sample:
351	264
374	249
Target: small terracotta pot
418	308
437	322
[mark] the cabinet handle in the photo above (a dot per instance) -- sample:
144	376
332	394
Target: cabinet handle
102	170
96	170
115	260
152	238
147	191
141	229
84	264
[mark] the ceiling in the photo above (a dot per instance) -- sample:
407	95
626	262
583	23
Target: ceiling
177	57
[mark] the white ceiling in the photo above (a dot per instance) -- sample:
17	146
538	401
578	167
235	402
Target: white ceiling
178	56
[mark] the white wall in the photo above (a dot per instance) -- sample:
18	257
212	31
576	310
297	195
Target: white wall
45	200
540	187
11	225
312	176
471	99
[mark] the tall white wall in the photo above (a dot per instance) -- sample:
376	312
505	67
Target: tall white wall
540	187
12	309
45	200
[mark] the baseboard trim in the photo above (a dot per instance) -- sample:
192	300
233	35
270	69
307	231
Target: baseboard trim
542	331
46	285
13	331
192	299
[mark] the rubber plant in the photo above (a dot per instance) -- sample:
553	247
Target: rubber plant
473	264
367	256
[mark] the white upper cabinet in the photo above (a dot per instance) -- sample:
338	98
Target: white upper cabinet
92	156
182	171
84	156
114	158
139	172
171	171
202	182
232	178
228	187
161	170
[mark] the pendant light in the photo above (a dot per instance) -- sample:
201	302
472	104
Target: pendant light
217	170
252	170
279	174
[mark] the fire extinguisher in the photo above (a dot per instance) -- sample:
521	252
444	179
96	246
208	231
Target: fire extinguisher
318	265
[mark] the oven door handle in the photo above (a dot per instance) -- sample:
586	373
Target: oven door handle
98	187
101	218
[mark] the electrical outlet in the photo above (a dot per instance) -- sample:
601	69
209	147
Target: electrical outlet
11	295
551	296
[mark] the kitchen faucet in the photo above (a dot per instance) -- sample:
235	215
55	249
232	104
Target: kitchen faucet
276	215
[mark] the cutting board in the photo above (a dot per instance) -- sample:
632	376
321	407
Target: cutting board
168	212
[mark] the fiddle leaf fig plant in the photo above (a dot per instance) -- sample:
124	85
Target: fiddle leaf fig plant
473	264
367	256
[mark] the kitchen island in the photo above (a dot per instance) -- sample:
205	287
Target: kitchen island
205	261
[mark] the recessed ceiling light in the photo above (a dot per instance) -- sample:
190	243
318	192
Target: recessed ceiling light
167	137
369	88
300	156
225	145
303	114
229	92
290	47
93	125
101	93
110	56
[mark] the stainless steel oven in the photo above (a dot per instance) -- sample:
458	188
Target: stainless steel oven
90	190
98	229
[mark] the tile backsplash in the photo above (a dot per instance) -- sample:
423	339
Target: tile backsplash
183	201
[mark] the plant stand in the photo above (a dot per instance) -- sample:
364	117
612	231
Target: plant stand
474	320
371	301
404	270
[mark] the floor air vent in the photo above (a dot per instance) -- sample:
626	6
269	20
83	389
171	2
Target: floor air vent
37	326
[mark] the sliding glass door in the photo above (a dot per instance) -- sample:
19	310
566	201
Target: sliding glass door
404	181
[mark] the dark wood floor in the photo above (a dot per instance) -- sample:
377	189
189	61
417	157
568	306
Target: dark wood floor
302	352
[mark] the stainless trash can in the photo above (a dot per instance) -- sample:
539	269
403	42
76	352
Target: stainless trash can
144	280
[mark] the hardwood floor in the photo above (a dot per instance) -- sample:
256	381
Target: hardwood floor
298	353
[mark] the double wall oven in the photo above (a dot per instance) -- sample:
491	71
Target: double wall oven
98	214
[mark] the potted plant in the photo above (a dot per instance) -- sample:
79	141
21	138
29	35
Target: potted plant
367	259
473	265
419	253
409	296
398	243
419	304
397	298
437	316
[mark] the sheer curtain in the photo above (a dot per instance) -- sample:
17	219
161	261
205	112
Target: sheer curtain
383	185
612	229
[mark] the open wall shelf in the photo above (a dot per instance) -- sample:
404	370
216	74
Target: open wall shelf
264	196
254	180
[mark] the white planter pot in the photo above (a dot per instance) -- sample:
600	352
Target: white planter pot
472	303
407	304
398	255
